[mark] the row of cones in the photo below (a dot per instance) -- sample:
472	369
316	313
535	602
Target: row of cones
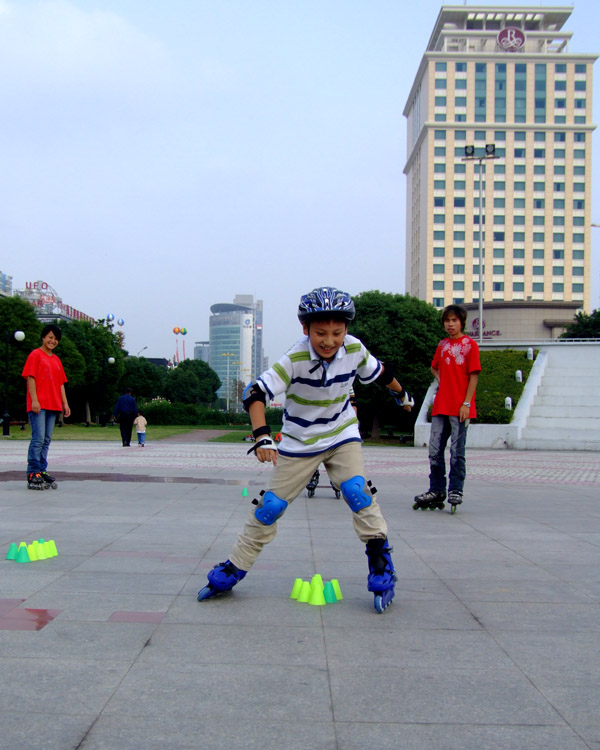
316	592
37	550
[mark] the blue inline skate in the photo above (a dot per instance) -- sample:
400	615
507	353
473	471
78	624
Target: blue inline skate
223	577
382	576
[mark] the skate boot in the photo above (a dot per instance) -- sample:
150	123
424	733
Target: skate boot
382	577
430	499
223	577
455	497
49	480
312	485
35	481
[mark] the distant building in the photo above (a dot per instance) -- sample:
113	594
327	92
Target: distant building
520	321
500	80
5	285
47	303
235	344
202	350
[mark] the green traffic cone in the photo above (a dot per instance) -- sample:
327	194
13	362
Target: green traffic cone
12	552
22	555
304	594
329	593
244	492
317	578
296	588
316	595
336	588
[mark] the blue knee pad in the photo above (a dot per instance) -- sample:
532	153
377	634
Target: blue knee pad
272	508
355	493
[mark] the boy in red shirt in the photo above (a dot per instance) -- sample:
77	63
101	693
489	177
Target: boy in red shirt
456	367
46	398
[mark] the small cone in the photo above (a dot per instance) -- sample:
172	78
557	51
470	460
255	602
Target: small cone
296	588
336	589
22	544
52	544
12	552
48	550
245	492
317	578
304	594
22	555
32	552
329	593
39	548
316	595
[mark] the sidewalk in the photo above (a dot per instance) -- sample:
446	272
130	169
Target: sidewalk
493	640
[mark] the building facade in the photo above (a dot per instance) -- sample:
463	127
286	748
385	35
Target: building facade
235	345
502	78
48	304
5	285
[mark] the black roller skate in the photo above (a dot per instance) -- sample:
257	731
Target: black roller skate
382	577
312	485
35	481
431	500
49	480
455	497
338	492
223	577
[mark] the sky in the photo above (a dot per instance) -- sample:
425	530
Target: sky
161	156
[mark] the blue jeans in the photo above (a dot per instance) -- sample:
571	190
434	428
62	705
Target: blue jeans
141	436
442	428
42	426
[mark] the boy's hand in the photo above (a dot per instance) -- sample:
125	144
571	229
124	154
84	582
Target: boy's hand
463	413
403	399
266	450
35	406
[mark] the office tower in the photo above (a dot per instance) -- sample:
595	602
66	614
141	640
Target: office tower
506	78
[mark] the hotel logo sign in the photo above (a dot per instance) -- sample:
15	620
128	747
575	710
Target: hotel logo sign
511	39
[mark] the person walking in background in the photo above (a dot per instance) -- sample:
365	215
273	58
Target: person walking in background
140	423
456	367
46	398
126	411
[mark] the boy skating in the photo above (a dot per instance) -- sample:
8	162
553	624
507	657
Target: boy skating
320	425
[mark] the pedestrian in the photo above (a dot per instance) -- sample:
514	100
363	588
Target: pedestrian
319	425
46	399
140	427
125	411
456	367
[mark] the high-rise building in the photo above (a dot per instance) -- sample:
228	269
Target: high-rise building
502	77
235	344
202	350
5	285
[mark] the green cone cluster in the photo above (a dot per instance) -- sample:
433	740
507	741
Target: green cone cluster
316	592
37	550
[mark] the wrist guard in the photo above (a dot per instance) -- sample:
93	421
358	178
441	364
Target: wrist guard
403	398
265	442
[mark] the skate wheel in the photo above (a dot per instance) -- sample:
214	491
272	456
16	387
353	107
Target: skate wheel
206	593
311	493
381	604
416	506
423	507
441	506
338	494
453	510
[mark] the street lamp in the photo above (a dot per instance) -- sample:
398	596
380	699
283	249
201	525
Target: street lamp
237	379
143	349
111	361
227	354
489	153
18	336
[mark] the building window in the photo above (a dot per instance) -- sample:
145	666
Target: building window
579	85
579	137
558	254
578	271
438	268
441	66
440	101
538	236
440	135
498	286
538	270
519	220
459	202
498	236
458	286
439	184
556	287
580	68
537	287
459	252
460	101
439	168
519	236
439	151
439	219
438	301
577	288
439	202
439	234
439	252
460	67
439	285
579	187
518	286
498	252
440	83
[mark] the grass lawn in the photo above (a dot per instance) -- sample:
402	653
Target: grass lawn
108	433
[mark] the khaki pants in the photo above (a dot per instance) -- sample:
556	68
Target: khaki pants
289	478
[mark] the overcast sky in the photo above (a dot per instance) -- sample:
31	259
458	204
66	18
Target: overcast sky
159	156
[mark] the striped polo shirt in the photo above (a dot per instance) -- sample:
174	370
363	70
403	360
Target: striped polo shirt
317	412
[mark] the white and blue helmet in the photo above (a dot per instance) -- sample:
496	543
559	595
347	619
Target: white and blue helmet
324	300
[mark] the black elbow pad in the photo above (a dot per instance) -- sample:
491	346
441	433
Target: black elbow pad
251	394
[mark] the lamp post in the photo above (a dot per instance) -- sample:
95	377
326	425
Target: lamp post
143	349
489	153
18	336
237	379
111	361
227	354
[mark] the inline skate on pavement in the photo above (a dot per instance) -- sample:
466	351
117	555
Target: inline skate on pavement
382	577
35	481
455	497
49	480
223	577
430	500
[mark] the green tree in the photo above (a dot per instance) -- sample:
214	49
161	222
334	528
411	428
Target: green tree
192	382
17	315
97	391
584	326
401	331
144	378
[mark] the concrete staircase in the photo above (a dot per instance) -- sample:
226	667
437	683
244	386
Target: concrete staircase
565	412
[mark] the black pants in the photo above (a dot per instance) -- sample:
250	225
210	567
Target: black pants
126	426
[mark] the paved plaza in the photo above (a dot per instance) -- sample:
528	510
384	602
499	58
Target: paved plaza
493	639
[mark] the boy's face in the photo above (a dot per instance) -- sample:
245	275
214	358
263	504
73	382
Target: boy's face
453	326
326	337
49	342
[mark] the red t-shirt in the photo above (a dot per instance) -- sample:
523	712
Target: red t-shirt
455	359
49	375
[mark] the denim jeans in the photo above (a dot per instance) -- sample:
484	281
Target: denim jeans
442	428
42	426
141	436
